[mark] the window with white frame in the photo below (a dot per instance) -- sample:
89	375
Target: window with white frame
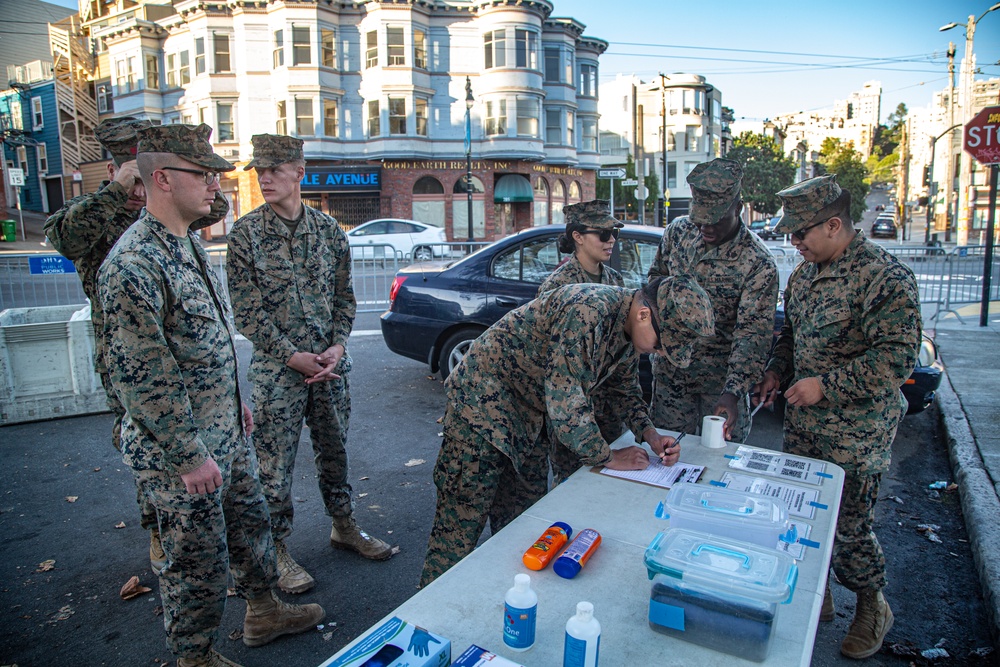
199	55
495	49
122	78
692	138
184	71
279	48
526	42
571	128
374	116
419	49
16	117
103	98
22	159
588	80
553	128
371	49
43	158
567	66
551	64
202	114
223	57
152	75
527	117
37	117
131	73
227	124
301	51
304	125
395	48
328	47
172	77
496	117
330	128
420	114
397	115
281	125
588	132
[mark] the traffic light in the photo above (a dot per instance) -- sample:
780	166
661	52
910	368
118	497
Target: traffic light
927	175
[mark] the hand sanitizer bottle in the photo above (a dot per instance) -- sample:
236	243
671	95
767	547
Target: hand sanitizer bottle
583	638
520	606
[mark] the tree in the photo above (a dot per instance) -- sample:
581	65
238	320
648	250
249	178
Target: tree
625	197
886	138
765	171
841	159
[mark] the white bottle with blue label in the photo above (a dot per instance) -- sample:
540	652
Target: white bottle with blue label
583	638
520	608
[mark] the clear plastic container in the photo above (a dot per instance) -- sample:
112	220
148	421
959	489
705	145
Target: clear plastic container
745	516
717	592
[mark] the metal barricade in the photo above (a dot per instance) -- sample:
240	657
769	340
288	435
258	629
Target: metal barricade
19	288
434	252
785	260
373	268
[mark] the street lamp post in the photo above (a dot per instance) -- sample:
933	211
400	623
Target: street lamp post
469	101
965	177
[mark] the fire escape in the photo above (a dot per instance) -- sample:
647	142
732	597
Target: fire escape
73	66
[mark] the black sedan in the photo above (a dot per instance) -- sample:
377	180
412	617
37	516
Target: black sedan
884	227
436	309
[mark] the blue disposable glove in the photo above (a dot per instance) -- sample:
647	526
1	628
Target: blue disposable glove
420	642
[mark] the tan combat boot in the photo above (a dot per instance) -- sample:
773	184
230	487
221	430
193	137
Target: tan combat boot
213	659
347	535
292	577
872	621
269	618
157	558
828	612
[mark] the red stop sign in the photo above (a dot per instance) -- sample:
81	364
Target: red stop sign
981	137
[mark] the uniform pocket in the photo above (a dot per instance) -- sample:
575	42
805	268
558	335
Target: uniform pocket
199	306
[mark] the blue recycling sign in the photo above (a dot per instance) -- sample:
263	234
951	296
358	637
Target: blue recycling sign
50	264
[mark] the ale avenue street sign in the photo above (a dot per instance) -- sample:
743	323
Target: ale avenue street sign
981	138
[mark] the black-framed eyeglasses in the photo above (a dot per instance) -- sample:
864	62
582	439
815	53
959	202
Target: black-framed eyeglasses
604	234
209	176
800	234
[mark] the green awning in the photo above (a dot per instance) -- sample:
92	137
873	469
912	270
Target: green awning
512	188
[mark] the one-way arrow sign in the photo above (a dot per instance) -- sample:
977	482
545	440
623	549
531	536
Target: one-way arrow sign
617	172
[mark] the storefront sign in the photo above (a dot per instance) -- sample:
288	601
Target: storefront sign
342	179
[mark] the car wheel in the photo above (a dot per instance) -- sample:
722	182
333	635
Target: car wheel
423	254
454	350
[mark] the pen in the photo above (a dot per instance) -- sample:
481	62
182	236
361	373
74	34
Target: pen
760	405
677	441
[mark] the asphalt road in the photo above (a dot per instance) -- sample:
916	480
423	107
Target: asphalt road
72	614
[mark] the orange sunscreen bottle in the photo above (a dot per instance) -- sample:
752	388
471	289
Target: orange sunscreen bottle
547	546
577	553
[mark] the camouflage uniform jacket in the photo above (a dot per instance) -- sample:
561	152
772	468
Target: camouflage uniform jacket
573	273
290	294
83	231
742	281
856	326
171	351
545	359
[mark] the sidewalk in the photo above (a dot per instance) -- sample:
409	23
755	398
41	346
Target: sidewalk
970	415
33	238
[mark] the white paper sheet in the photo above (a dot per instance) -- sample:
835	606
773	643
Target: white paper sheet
658	474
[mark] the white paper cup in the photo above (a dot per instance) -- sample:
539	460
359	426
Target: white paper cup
712	432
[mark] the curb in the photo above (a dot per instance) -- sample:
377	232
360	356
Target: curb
979	500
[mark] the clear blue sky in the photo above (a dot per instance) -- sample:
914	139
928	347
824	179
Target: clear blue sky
781	56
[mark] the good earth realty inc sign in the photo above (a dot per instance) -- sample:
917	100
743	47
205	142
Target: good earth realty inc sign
342	179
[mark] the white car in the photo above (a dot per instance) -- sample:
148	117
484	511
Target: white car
409	239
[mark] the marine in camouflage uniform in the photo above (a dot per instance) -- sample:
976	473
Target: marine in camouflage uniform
289	273
736	269
583	220
85	229
545	361
849	342
172	360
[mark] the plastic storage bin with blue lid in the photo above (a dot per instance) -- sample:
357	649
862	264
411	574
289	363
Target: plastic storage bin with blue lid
716	591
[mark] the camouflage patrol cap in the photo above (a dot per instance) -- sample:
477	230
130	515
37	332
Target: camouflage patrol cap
270	150
594	213
683	314
118	136
715	186
186	141
802	203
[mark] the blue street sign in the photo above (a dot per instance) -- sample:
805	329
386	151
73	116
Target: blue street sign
50	264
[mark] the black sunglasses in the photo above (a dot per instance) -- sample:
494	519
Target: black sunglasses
800	234
605	234
209	176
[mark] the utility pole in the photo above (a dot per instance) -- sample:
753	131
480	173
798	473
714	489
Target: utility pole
660	196
904	209
636	150
949	180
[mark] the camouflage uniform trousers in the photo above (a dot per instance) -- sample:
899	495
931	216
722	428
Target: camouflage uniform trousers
476	481
279	408
147	513
565	461
206	536
677	408
858	560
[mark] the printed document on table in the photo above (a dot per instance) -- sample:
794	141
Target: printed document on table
658	474
776	464
798	499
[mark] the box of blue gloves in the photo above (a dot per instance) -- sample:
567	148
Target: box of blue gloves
395	643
